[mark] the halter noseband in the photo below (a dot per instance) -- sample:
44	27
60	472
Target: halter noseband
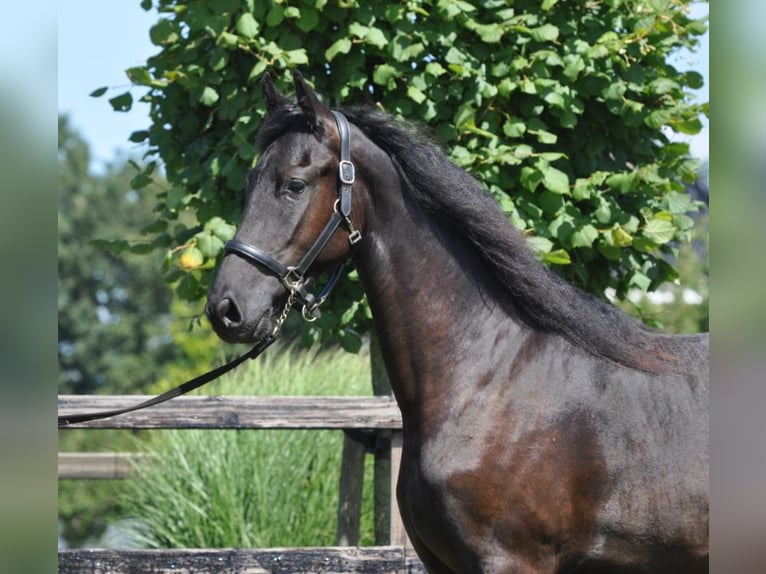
293	277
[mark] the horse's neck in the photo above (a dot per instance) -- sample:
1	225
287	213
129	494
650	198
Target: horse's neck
433	305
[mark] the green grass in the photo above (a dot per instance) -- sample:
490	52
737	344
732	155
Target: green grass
252	488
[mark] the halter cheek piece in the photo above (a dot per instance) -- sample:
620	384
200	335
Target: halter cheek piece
293	277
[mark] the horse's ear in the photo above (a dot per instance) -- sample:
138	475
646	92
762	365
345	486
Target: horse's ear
273	97
315	111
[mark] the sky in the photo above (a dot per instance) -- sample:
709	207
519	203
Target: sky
99	40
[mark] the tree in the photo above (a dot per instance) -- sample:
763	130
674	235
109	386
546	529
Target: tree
113	315
561	108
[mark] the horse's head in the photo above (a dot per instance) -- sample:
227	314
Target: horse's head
296	221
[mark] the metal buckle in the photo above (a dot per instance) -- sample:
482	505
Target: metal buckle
346	172
296	282
354	237
311	314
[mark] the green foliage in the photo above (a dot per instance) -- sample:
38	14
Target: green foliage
686	305
253	488
113	312
561	108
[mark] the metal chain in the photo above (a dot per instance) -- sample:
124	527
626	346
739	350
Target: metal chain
286	311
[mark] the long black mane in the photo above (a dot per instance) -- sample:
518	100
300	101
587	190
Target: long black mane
454	197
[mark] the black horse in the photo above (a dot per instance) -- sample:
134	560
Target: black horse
544	430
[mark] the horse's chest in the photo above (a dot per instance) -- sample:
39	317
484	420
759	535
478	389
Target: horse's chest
471	490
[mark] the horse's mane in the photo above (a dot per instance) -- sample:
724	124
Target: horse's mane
453	196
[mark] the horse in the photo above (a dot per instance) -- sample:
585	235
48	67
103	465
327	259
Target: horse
544	430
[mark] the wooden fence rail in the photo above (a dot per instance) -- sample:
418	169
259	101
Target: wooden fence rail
358	417
97	465
327	560
233	412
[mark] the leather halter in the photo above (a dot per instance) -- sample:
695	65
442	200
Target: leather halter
293	277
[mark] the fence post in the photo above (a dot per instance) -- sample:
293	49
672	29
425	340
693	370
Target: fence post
350	495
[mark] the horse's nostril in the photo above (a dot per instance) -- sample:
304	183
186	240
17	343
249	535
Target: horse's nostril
229	312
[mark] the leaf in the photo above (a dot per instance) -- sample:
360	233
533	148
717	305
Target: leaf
140	181
678	203
523	151
603	212
621	238
454	56
540	244
163	32
275	16
376	37
640	280
308	20
465	115
292	12
694	80
506	86
546	137
258	69
545	33
209	96
530	178
514	128
614	91
114	246
582	189
155	227
139	136
350	341
122	103
209	245
99	92
220	228
691	126
584	236
435	69
297	57
662	86
415	94
557	257
658	118
659	231
489	33
341	46
247	26
555	99
555	180
384	73
574	64
228	40
622	182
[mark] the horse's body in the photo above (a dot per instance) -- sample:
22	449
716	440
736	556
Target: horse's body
544	431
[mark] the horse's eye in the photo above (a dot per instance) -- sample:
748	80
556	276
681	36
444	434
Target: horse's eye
296	186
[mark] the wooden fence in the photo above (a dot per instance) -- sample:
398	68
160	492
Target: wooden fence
364	420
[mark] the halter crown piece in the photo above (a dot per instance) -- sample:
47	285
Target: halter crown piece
293	277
